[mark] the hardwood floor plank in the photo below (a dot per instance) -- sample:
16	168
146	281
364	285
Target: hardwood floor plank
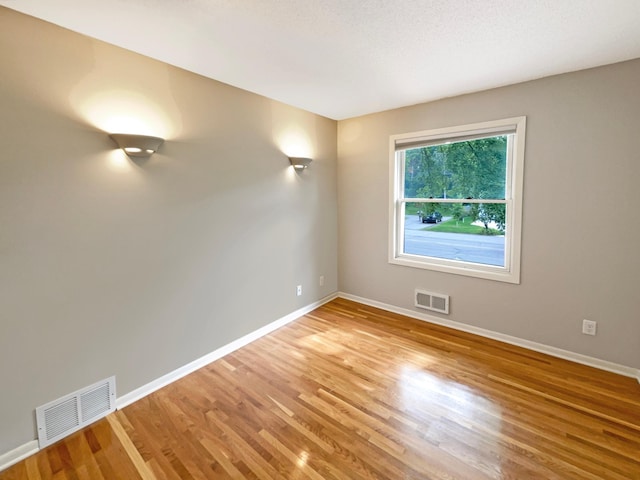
353	392
143	469
32	471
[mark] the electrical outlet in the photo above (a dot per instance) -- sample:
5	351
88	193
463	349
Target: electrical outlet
321	281
589	327
299	290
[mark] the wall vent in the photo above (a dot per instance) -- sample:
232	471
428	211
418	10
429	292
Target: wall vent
68	414
432	301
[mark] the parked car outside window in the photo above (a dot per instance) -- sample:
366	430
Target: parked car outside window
434	217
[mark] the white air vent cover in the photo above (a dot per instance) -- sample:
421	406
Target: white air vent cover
72	412
432	301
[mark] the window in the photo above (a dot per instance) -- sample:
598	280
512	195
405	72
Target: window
456	199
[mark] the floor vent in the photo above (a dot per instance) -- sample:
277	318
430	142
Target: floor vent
432	301
68	414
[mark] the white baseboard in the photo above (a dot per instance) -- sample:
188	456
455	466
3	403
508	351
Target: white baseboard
17	454
538	347
191	367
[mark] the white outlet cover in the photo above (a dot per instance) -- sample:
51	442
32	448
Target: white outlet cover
589	327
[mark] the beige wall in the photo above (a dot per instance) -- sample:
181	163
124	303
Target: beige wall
581	224
112	267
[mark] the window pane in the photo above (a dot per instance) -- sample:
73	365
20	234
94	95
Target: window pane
456	231
466	169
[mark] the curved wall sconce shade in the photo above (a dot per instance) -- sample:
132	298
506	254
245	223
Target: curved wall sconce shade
300	163
137	145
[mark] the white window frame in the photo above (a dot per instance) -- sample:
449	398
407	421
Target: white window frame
513	198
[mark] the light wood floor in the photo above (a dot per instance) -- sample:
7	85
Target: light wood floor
352	392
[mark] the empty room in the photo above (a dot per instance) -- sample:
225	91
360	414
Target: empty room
327	240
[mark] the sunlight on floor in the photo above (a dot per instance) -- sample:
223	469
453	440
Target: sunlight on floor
438	402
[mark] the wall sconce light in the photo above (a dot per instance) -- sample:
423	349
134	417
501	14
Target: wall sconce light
137	145
300	163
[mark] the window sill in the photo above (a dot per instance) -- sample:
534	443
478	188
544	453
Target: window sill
487	272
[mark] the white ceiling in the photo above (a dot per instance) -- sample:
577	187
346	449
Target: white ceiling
344	58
